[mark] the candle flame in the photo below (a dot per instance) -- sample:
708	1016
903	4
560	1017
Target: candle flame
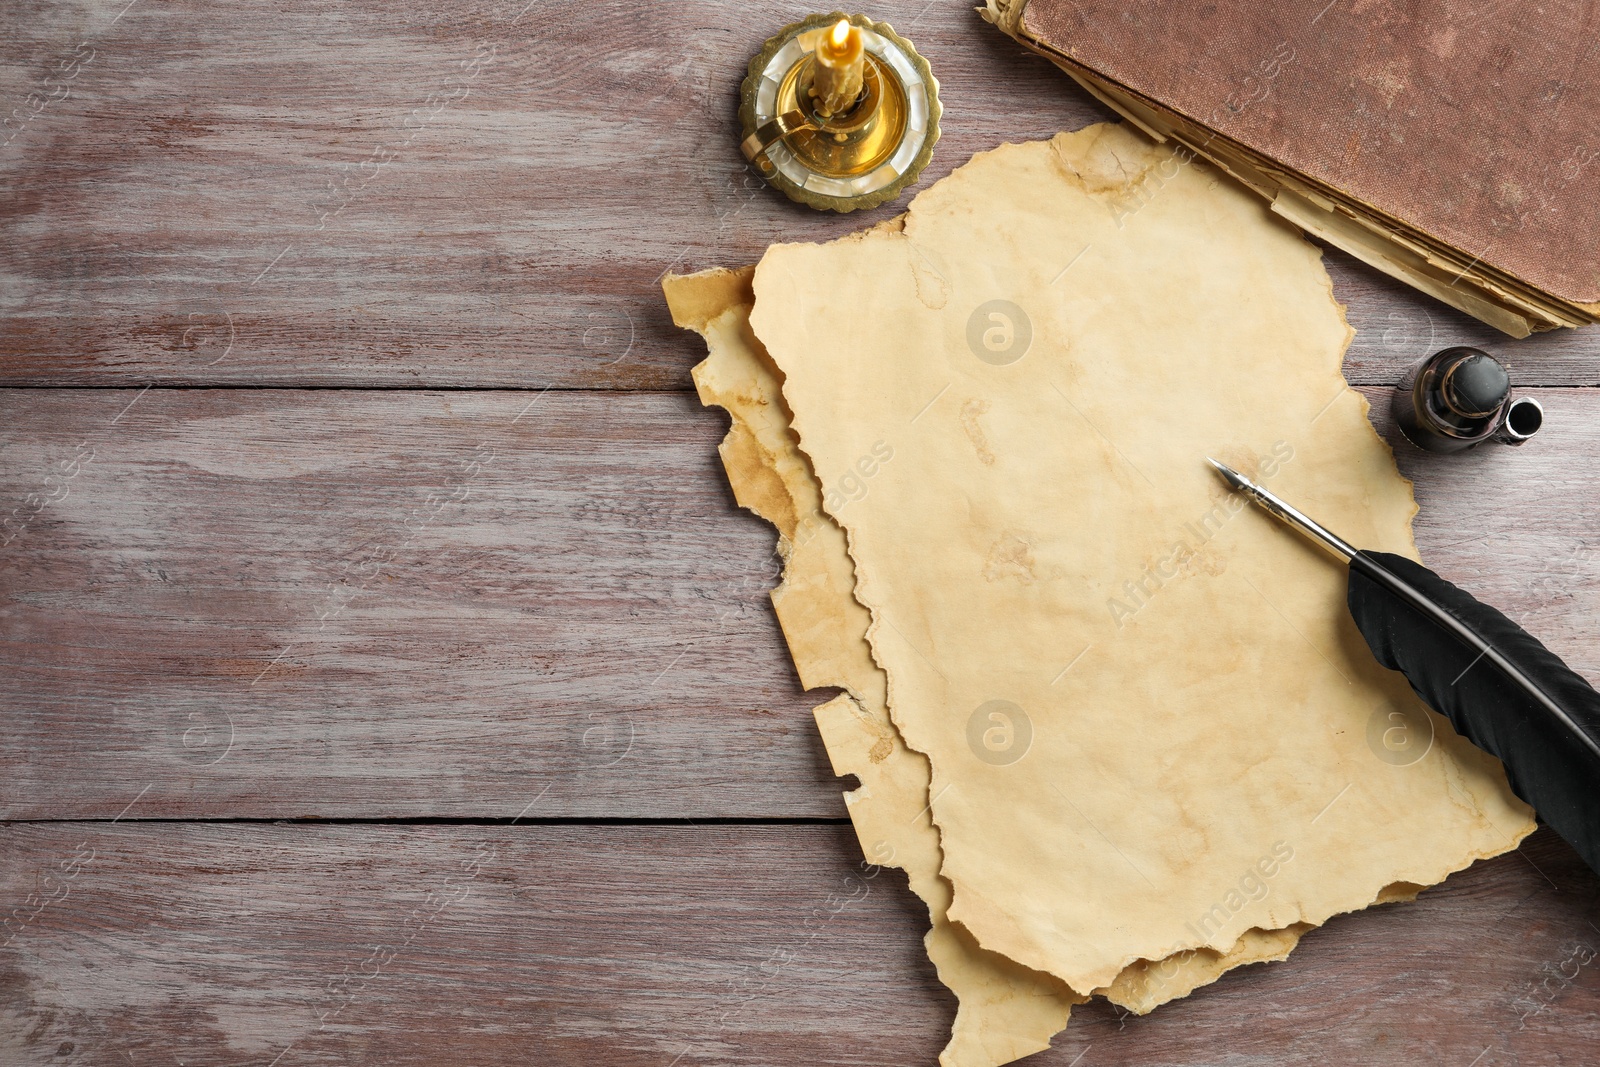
840	35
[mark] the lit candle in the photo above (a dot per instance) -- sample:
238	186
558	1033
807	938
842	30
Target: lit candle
840	60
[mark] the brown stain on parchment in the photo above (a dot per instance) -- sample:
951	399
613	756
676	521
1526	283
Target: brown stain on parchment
933	287
970	413
1010	557
1113	161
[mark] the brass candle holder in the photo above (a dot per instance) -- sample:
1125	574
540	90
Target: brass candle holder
859	156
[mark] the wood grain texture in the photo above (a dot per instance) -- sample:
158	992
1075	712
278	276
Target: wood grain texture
246	602
259	603
483	194
512	238
326	604
649	946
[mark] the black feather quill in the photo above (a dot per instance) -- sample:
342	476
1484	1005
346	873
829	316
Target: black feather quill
1499	687
1544	725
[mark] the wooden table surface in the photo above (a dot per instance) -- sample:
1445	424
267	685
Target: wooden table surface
387	673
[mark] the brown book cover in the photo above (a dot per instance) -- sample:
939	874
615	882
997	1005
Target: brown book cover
1451	142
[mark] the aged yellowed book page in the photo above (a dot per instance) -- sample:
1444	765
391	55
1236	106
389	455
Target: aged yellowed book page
1148	717
1006	1011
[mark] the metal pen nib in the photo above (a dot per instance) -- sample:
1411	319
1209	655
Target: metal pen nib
1289	514
1373	568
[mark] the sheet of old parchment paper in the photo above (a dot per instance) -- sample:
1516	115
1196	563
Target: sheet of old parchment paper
1006	1011
1150	723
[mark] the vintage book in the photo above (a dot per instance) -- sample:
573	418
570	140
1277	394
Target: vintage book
1450	143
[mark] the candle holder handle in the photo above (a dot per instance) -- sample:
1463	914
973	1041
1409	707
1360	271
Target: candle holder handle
770	133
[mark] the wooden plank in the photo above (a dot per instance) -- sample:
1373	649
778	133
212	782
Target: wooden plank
513	238
1518	527
381	604
651	946
483	195
1397	327
245	605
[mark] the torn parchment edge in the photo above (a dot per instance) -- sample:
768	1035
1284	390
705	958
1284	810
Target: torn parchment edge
904	228
989	1028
